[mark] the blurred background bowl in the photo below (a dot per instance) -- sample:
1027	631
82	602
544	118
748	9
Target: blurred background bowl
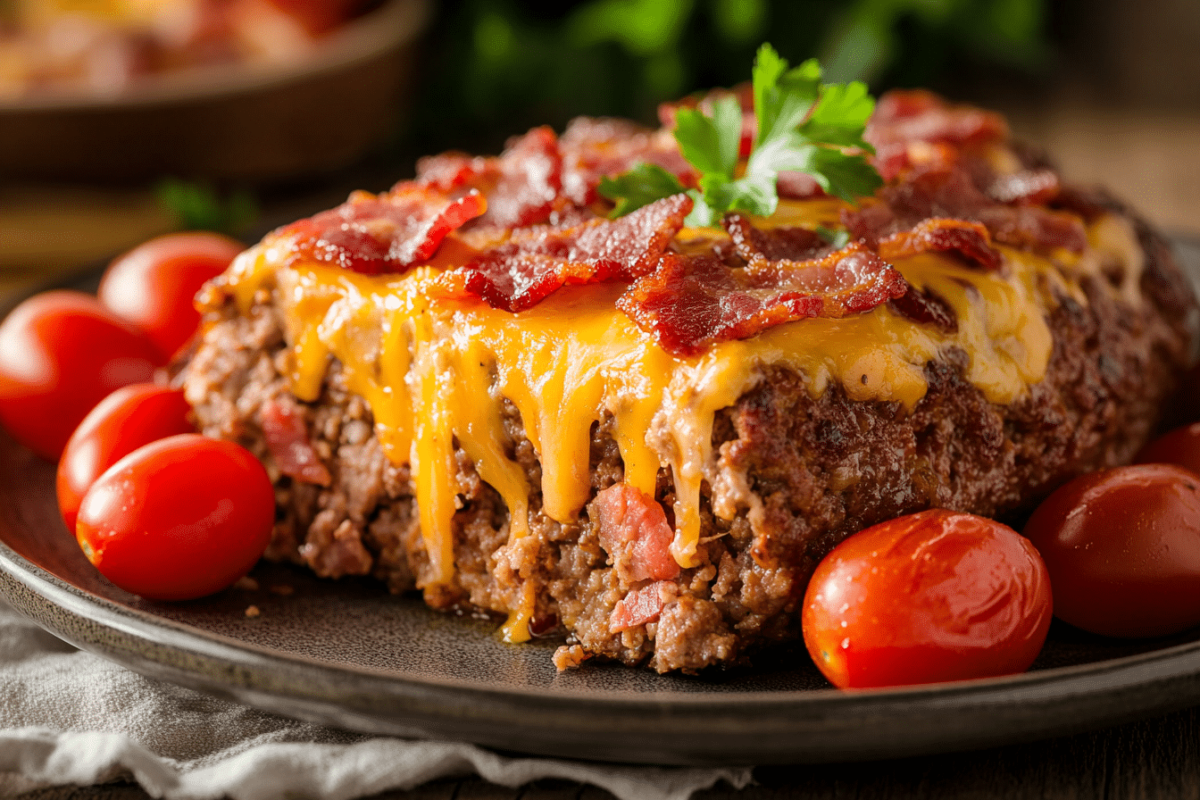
230	122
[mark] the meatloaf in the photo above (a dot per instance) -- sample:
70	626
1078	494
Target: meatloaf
641	437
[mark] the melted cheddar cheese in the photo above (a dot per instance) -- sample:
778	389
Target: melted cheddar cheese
437	374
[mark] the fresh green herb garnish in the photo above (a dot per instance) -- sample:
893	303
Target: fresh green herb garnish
803	125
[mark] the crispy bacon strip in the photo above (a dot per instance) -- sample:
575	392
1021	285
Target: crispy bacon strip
638	607
917	115
521	184
967	239
688	303
535	263
634	531
597	148
449	171
786	243
530	177
950	193
287	440
1026	187
903	119
388	233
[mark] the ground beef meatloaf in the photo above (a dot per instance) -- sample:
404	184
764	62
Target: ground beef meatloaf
642	437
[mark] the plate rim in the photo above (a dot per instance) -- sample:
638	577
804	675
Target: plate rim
1149	682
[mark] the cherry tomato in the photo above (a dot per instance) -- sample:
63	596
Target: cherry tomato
124	421
153	286
60	354
179	518
1180	446
934	596
1123	550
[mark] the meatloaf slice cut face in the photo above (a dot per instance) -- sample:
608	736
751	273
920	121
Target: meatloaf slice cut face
565	466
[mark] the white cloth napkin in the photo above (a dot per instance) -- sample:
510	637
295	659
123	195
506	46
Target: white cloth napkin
69	717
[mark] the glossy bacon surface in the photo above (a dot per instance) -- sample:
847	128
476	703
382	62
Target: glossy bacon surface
520	185
786	243
535	263
389	233
691	302
969	240
604	148
950	192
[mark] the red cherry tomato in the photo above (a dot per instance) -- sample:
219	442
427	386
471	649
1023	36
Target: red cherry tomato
60	354
180	518
153	286
124	421
934	596
1123	550
1180	446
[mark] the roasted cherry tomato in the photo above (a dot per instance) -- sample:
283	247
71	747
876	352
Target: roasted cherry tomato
1123	550
153	286
934	596
60	354
124	421
180	518
1180	446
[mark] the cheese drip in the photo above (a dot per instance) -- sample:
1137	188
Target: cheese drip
441	375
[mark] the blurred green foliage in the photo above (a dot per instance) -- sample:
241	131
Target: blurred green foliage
497	67
198	206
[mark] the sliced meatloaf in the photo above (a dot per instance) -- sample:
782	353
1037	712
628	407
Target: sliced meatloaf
570	466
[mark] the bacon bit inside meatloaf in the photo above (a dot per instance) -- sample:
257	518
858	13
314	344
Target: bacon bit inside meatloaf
641	436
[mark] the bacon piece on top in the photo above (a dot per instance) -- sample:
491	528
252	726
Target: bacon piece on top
785	243
688	303
950	192
529	181
388	233
452	170
970	240
907	123
521	184
604	148
1026	187
634	531
287	440
917	115
537	262
638	607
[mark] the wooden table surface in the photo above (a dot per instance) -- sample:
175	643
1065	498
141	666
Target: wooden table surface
1149	158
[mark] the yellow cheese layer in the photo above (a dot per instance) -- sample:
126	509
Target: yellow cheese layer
436	374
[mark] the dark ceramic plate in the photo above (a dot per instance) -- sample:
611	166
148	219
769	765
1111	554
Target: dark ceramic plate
349	655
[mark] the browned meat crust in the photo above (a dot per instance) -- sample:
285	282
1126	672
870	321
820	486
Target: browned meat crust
820	469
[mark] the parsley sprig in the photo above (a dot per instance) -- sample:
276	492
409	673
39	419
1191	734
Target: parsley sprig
803	125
